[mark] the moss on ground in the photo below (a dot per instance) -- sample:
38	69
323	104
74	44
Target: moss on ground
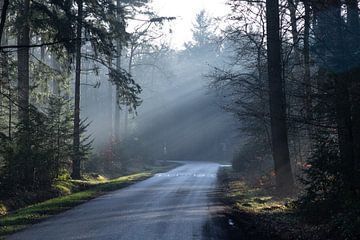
261	213
256	200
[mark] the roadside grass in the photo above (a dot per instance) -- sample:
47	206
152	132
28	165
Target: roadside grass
256	200
260	212
92	188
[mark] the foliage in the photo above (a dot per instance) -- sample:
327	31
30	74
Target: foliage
128	90
41	149
251	158
328	197
320	64
323	179
49	147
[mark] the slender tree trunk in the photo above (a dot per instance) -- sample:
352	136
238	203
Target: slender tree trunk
126	122
110	110
117	118
4	8
1	92
10	112
280	148
306	53
294	31
2	83
353	25
23	64
118	68
24	92
76	168
55	83
6	80
3	77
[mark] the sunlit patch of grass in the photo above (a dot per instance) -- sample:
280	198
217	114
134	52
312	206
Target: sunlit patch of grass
257	200
253	199
24	217
260	208
3	209
264	204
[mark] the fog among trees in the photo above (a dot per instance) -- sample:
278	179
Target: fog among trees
95	88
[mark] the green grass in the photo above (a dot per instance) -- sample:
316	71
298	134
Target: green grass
255	200
251	198
260	209
22	218
267	215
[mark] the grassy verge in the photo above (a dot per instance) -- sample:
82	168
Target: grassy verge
22	218
261	214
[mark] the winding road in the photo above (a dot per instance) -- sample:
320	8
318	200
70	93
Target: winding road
177	205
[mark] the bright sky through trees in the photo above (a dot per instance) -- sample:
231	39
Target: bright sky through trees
185	11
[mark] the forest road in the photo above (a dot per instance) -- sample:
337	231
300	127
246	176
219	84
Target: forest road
178	205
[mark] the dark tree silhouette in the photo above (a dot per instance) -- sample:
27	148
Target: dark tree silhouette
279	137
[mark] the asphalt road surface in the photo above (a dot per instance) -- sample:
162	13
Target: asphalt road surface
177	205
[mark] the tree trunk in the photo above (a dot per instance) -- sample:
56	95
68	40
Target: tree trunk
55	83
280	148
110	110
117	116
10	112
76	168
7	81
126	113
294	31
353	25
342	96
24	92
2	90
4	8
3	77
118	68
306	53
117	96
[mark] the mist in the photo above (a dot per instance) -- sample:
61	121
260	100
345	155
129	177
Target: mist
180	118
206	119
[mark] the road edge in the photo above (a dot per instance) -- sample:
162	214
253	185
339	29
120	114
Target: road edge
24	218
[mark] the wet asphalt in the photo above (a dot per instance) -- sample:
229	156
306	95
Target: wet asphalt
178	205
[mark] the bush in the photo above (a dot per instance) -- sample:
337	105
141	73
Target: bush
251	157
327	196
39	149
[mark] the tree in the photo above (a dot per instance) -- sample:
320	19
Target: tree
306	54
4	8
62	28
77	158
353	30
279	137
202	30
23	70
101	39
118	68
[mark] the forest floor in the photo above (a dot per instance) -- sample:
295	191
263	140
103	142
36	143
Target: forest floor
259	213
71	193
